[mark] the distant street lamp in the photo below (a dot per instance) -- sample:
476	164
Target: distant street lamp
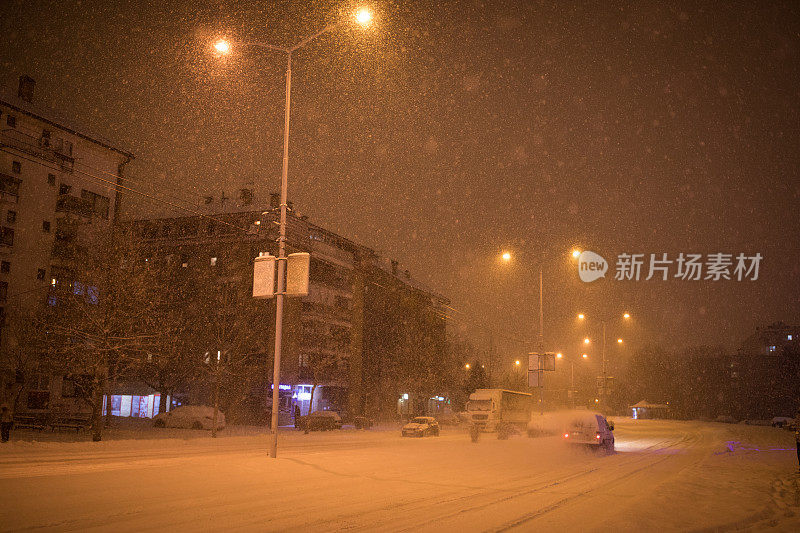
363	17
572	390
603	391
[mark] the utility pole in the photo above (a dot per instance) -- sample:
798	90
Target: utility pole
603	391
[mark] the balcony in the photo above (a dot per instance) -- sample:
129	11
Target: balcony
9	189
74	206
43	148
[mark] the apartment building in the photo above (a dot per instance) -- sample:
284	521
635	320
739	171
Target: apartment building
363	312
58	183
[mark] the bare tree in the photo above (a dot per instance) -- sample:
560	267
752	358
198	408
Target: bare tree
26	340
98	314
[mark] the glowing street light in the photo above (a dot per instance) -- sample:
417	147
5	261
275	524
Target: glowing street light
506	256
585	356
364	16
466	366
222	46
586	340
517	362
603	391
559	355
576	253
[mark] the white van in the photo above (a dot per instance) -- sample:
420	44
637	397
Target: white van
590	429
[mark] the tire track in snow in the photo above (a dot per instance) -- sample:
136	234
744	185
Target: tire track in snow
510	493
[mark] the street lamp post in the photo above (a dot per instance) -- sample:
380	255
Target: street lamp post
603	390
572	390
363	17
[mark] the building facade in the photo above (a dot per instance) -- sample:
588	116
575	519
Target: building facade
366	335
58	184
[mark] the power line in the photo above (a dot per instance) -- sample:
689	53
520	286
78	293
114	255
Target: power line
114	186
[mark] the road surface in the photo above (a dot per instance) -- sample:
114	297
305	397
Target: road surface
666	475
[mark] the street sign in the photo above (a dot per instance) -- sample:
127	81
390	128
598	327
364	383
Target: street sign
297	266
297	273
264	276
545	362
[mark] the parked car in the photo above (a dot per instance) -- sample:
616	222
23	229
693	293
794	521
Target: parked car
590	429
421	426
191	417
782	422
320	421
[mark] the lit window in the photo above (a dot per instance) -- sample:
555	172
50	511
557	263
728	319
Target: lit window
789	337
771	348
213	261
92	295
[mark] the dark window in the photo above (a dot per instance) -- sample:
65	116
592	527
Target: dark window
46	226
246	196
5	267
11	217
64	189
99	203
3	291
7	236
16	167
51	180
40	274
11	120
9	185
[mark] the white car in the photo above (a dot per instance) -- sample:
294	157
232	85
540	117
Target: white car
190	417
421	426
782	422
590	429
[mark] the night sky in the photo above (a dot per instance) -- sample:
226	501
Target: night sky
449	131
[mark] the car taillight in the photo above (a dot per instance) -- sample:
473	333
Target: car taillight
566	435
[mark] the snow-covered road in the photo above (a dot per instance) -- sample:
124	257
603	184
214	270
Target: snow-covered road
666	475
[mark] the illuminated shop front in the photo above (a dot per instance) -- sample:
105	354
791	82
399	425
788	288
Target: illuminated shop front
134	406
